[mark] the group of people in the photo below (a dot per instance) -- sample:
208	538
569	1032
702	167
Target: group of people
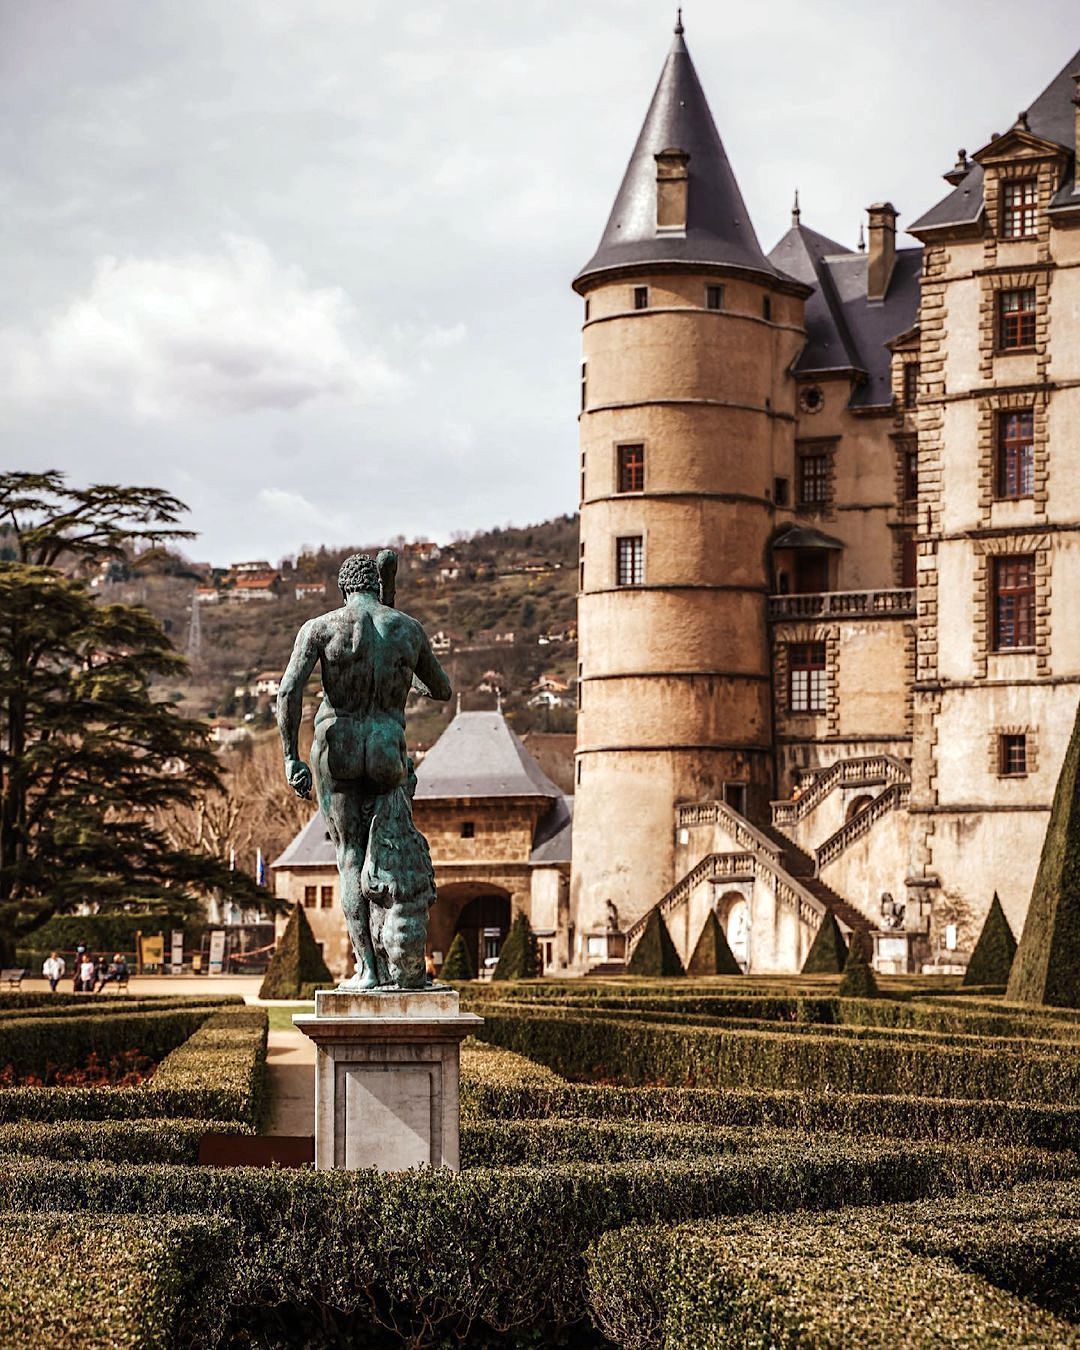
90	974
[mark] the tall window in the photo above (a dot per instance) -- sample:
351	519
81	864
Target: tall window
1014	602
1012	755
911	384
641	297
1016	319
1016	453
806	677
631	468
813	478
584	384
1019	198
311	896
909	562
581	566
714	297
630	560
766	308
909	469
326	897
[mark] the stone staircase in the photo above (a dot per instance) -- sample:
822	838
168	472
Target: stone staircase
799	864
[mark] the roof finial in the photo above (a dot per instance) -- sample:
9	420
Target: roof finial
678	22
795	212
862	238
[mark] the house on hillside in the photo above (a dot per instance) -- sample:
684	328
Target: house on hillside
421	551
311	590
267	682
256	586
443	641
494	637
207	595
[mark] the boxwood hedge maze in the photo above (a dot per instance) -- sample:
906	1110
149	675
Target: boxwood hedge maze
680	1163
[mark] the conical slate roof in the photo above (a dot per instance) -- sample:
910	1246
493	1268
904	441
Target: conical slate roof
718	228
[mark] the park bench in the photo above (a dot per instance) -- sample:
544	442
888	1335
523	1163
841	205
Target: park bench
119	983
12	979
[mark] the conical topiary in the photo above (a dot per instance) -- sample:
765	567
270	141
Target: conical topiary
458	964
655	952
712	955
992	959
297	960
858	978
520	955
828	951
1047	964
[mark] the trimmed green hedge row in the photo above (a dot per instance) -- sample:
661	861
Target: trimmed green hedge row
29	1044
860	1114
216	1074
80	1005
645	1053
110	1282
923	1275
137	1141
434	1252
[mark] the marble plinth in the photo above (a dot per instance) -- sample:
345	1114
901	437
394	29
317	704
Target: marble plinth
386	1077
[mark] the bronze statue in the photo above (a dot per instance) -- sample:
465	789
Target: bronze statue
370	656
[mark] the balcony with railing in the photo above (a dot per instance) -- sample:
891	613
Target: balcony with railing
890	604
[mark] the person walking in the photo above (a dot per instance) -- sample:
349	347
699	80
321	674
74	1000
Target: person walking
53	968
87	970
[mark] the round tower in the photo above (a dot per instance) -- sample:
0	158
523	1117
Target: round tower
687	418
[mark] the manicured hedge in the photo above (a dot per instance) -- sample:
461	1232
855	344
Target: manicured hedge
81	1005
643	1053
922	1275
217	1074
110	1282
137	1141
29	1044
504	1247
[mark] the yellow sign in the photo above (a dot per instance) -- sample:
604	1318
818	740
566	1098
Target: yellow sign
153	950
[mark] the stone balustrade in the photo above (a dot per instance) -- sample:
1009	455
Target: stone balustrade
840	604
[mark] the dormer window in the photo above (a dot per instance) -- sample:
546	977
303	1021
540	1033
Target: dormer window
1019	200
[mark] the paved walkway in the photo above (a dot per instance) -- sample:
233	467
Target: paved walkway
290	1077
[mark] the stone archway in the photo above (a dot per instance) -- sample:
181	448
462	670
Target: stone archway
479	911
857	804
733	912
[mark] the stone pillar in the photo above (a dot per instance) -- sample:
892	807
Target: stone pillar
386	1077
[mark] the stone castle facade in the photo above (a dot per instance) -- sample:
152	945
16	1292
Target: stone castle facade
830	535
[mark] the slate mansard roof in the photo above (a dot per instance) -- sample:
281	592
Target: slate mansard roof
718	228
845	330
477	756
1051	117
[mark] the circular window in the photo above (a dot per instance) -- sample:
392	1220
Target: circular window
811	399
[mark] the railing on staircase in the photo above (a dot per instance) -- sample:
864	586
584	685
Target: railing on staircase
893	798
719	813
863	771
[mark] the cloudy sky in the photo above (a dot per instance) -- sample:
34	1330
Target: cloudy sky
306	263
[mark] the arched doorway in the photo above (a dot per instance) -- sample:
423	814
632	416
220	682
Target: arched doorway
484	922
857	805
734	915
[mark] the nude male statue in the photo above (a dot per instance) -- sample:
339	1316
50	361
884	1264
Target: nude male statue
370	654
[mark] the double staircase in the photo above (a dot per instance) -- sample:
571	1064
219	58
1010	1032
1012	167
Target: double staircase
768	854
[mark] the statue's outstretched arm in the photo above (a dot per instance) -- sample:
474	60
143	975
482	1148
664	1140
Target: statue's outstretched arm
290	707
432	678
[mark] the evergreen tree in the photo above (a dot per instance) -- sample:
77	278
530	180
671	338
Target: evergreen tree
828	951
1047	964
992	959
712	955
89	752
858	980
520	955
297	960
655	952
458	964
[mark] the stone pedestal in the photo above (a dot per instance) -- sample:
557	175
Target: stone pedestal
386	1077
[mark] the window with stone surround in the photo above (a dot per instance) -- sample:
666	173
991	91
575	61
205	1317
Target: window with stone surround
468	829
1015	453
1016	319
630	560
1013	601
813	467
911	384
326	897
311	896
1019	203
806	677
909	469
1012	756
631	468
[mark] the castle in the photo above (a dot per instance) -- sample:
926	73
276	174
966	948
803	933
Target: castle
830	527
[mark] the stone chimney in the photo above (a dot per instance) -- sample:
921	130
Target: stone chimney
882	253
672	191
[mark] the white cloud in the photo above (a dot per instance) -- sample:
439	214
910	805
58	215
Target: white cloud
222	333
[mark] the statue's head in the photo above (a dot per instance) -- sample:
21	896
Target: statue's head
358	573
